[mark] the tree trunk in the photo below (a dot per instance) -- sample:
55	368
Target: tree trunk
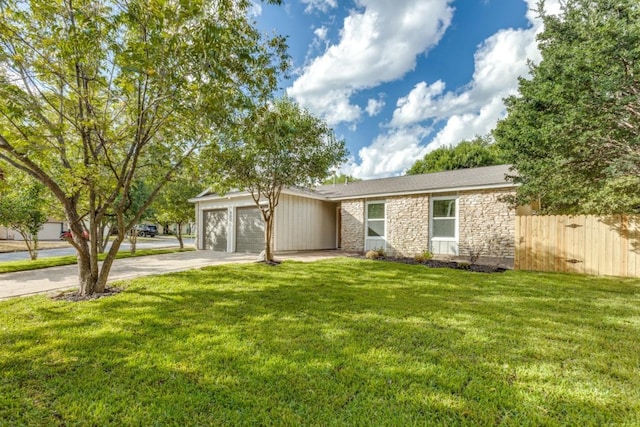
32	249
88	281
179	235
104	232
268	233
92	277
133	239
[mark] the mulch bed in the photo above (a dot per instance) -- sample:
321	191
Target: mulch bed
432	263
74	296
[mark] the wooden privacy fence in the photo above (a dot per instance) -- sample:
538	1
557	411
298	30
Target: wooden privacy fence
583	244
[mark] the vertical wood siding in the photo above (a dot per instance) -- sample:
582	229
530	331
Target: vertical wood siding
608	246
304	224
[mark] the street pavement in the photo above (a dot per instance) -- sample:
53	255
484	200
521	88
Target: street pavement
66	277
146	243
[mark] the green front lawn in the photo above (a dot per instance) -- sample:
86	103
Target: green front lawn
25	265
338	342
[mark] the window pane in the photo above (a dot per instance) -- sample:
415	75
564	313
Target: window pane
444	228
375	228
444	208
375	211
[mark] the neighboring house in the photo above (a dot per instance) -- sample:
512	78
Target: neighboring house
453	213
50	231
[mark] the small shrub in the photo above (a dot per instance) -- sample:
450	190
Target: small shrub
372	254
381	253
423	256
464	265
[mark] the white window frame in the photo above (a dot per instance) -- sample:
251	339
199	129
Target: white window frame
456	222
368	238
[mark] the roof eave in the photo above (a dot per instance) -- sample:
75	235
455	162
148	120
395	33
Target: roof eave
424	191
210	197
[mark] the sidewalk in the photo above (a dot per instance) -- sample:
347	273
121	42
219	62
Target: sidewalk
66	277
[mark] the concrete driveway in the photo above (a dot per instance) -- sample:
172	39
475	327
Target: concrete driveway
60	278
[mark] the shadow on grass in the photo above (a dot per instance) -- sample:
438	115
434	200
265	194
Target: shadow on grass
326	343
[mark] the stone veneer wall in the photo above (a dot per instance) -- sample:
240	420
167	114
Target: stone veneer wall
487	224
407	225
353	225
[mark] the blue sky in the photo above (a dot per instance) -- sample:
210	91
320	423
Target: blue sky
399	78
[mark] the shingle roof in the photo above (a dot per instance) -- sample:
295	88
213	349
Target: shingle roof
488	176
475	178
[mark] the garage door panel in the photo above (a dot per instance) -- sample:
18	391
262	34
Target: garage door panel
50	231
249	230
215	230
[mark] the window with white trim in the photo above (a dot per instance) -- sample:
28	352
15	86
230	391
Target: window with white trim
375	219
443	216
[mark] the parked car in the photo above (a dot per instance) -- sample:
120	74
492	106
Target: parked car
146	230
68	235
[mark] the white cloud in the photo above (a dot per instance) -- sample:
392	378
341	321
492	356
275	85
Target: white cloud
320	5
255	10
378	43
470	111
389	154
374	107
499	61
321	33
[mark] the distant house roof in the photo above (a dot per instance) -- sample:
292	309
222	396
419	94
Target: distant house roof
455	180
437	182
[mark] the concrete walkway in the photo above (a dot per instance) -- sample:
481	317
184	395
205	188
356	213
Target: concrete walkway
66	277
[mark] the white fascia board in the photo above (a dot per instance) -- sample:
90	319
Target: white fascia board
217	197
205	198
432	191
306	195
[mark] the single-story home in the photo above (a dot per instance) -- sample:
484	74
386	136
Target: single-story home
453	213
50	230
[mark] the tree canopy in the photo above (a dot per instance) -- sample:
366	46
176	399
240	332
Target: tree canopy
340	178
278	145
172	205
573	131
98	96
467	154
24	205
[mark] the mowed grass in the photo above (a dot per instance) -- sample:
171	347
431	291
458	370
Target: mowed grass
26	265
337	342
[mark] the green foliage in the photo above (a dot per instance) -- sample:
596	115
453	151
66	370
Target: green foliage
24	207
278	145
338	342
100	97
573	131
340	179
478	152
423	256
172	205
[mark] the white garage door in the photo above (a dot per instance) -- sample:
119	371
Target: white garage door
249	230
50	231
215	230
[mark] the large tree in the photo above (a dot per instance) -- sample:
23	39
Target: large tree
172	205
278	145
573	131
480	151
99	95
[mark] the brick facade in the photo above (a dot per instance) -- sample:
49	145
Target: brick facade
486	224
